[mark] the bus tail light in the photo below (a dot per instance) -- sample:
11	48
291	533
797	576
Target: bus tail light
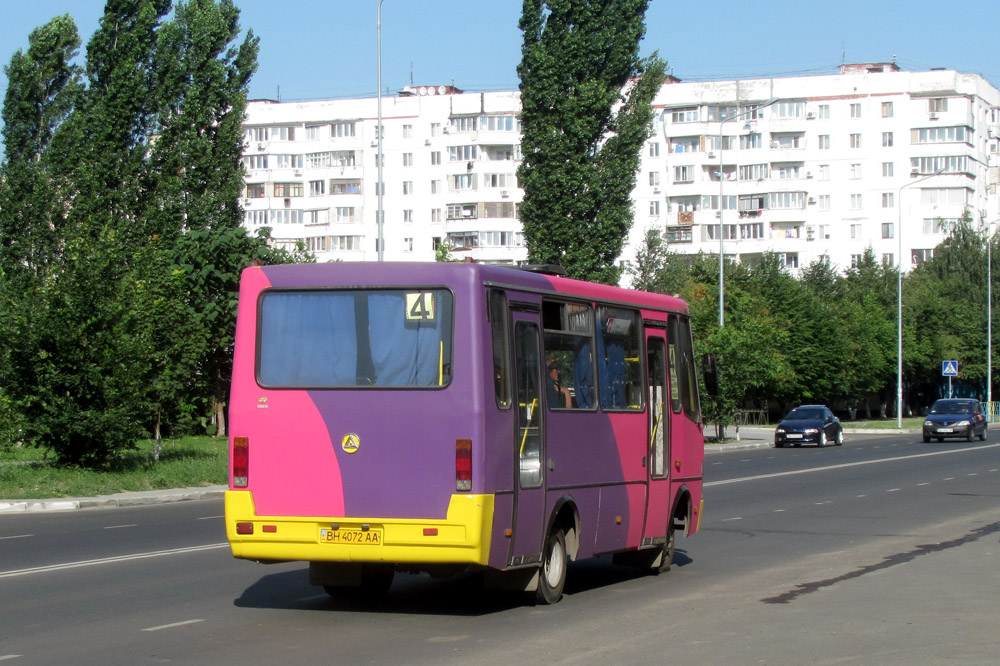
463	465
241	461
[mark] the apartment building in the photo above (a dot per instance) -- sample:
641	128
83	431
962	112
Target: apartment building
811	168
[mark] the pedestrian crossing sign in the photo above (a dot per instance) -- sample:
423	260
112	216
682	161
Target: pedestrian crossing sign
949	368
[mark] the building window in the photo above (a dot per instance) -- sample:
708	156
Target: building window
683	174
789	259
343	129
887	109
824	112
824	201
463	181
855	141
855	231
435	186
887	230
317	188
462	153
498	123
314	132
955	134
435	129
855	171
288	189
949	164
790	109
465	124
887	169
288	161
317	216
407	245
856	110
754	172
888	260
686	115
920	256
824	141
344	214
255	190
855	202
824	171
436	158
788	199
887	139
407	187
654	149
855	261
407	131
787	172
937	105
888	200
654	178
750	141
255	161
407	159
407	216
346	243
654	208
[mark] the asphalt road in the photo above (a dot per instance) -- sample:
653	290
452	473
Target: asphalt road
883	551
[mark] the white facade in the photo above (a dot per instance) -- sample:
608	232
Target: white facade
833	165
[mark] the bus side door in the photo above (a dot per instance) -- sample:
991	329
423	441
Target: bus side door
659	426
529	455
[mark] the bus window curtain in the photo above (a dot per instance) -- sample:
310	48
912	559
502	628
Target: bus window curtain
404	353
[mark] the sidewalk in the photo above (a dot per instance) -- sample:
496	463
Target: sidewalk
751	437
140	498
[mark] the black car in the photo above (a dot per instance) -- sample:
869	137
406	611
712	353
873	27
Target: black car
809	423
955	417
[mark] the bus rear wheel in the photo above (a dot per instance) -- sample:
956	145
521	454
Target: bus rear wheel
552	576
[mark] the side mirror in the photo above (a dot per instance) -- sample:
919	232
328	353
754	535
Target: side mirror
711	374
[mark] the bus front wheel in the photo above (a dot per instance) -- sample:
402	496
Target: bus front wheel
552	576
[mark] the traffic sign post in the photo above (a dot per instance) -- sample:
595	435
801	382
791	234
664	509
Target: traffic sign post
949	369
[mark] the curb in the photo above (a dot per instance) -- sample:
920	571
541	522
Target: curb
118	500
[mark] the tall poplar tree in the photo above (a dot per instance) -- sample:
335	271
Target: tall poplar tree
585	113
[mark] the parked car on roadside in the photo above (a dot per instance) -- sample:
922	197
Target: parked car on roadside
955	417
809	423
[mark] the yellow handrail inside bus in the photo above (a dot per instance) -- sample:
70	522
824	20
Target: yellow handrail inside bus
656	426
531	415
441	363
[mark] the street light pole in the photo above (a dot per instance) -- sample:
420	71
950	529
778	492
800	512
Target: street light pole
899	297
378	127
722	180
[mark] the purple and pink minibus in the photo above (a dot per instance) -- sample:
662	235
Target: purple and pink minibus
448	417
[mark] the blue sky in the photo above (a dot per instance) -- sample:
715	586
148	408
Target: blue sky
314	49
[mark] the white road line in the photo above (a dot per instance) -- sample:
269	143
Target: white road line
209	517
109	560
925	483
948	478
5	657
813	470
172	625
17	536
118	527
726	520
893	490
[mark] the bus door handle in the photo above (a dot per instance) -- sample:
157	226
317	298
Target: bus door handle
552	464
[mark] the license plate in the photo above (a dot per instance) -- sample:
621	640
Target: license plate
946	430
350	536
795	436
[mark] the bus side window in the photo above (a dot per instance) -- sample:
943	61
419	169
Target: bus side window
501	358
619	358
673	357
569	357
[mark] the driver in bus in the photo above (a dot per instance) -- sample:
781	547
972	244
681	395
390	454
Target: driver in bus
558	395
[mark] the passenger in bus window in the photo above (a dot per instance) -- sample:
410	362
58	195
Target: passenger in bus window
558	395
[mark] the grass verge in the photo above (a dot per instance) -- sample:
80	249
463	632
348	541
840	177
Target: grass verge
26	473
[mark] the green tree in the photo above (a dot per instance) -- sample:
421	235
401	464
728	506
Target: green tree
585	113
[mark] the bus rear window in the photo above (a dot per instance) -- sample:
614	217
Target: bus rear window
354	338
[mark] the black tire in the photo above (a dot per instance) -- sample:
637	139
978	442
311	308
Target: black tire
779	445
840	438
982	438
926	439
552	575
821	442
971	435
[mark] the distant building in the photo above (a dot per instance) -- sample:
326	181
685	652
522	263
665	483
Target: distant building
828	168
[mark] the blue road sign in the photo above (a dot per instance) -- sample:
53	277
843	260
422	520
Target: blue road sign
949	368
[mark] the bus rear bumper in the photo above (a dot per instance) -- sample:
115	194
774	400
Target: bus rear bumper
463	537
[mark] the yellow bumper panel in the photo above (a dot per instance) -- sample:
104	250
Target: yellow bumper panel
463	537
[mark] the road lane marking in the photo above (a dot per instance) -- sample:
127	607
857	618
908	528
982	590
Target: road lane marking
813	470
5	657
209	517
925	483
893	490
118	527
109	560
17	536
172	625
